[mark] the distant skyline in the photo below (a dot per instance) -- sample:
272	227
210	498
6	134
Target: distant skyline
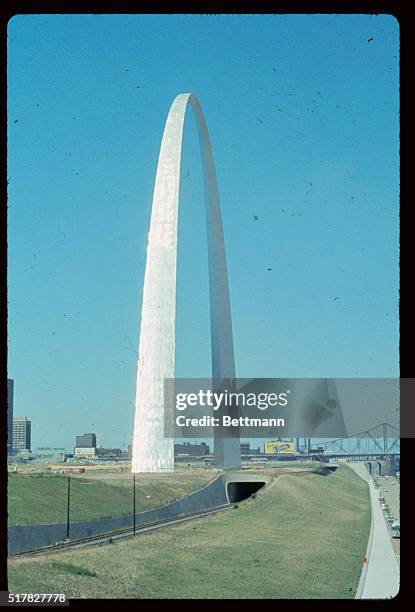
303	114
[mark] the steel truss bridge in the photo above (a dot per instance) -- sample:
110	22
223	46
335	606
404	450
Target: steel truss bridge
380	440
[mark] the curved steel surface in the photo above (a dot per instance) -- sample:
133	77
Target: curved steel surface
152	452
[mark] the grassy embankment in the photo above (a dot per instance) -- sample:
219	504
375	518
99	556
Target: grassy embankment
41	499
303	537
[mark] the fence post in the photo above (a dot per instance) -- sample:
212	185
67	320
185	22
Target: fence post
68	507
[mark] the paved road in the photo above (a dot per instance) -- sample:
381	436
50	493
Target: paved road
382	576
389	488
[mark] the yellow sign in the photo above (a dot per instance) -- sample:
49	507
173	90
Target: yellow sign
279	447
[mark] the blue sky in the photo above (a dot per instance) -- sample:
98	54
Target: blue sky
303	114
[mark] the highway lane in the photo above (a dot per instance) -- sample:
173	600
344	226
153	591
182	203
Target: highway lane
380	580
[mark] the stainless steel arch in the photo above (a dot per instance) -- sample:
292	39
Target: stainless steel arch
151	451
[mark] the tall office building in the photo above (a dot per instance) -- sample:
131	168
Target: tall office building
22	433
88	440
10	394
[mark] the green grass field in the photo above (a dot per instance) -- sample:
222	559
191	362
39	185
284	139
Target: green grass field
39	499
304	536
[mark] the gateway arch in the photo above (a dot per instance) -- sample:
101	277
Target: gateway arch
152	452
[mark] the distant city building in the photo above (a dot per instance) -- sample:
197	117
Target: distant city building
10	397
22	434
247	450
88	440
192	450
125	455
85	452
108	453
47	452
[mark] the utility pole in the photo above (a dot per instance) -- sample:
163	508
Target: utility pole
68	507
134	504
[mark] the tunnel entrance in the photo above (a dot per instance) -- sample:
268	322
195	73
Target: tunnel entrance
238	491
